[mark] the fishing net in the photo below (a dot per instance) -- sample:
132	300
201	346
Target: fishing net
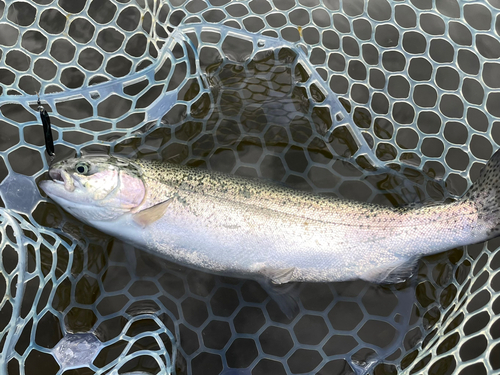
386	102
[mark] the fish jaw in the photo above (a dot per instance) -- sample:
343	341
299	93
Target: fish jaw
63	197
84	210
62	187
67	187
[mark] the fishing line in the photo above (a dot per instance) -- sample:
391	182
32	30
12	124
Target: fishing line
45	118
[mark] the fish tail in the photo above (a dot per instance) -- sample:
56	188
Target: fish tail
485	195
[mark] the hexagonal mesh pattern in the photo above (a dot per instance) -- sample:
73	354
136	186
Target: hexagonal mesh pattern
387	102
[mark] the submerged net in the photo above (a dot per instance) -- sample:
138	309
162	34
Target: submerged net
385	102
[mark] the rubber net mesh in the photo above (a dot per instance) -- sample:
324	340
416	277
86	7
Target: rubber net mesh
390	102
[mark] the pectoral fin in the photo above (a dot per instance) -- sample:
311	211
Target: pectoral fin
394	273
151	214
279	276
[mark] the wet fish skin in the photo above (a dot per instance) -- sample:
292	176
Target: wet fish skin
236	226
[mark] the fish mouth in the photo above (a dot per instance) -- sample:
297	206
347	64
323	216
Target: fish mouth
60	176
55	175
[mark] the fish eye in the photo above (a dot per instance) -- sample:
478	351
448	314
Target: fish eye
82	168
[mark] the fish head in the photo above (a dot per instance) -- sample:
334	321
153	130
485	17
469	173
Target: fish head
96	188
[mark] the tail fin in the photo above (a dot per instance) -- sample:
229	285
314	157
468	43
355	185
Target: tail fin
485	194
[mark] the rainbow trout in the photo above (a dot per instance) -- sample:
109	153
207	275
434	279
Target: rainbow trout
235	226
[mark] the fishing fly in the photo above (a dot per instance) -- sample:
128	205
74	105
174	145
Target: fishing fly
47	132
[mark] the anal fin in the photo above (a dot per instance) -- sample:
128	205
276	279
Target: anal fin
286	296
151	214
277	284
